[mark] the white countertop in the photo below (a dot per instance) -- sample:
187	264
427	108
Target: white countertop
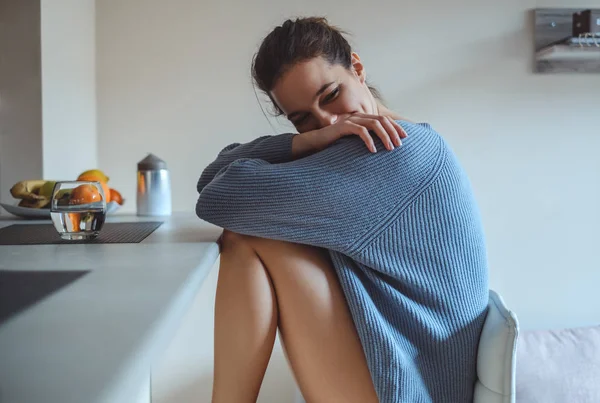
95	340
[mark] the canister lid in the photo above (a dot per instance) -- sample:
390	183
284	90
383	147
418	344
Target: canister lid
151	162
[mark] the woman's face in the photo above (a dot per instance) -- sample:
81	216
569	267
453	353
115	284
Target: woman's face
315	94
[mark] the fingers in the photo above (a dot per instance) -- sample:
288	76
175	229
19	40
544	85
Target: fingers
398	128
377	126
389	126
395	130
387	129
363	133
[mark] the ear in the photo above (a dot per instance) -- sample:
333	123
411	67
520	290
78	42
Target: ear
358	68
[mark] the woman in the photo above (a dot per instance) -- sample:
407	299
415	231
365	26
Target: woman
370	260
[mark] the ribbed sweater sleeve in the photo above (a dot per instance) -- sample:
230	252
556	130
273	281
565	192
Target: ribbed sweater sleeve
338	198
272	149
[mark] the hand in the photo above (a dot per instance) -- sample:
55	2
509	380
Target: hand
359	124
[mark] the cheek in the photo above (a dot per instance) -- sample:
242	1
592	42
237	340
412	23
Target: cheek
353	100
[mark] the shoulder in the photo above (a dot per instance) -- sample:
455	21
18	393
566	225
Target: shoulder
417	129
420	158
423	146
423	143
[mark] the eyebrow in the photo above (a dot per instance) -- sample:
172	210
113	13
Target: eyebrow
321	90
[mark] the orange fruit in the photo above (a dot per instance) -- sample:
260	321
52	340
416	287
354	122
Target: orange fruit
106	191
84	194
95	178
116	196
97	173
75	223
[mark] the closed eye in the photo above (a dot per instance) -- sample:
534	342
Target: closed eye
300	120
332	95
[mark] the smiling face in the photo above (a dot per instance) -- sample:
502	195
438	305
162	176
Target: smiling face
314	94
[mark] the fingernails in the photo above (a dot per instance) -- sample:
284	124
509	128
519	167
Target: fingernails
373	148
390	146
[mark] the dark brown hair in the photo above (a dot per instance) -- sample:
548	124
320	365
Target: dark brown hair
297	41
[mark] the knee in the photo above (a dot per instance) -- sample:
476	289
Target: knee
232	241
229	240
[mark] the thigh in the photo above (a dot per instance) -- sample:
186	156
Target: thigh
245	322
318	333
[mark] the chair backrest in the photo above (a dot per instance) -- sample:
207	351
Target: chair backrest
497	354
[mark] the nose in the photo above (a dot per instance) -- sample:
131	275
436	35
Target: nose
326	119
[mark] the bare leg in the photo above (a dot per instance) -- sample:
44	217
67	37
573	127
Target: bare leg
319	336
317	330
245	323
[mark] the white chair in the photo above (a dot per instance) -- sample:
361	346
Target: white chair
496	356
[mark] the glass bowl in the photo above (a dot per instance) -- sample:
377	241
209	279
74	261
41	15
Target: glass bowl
78	209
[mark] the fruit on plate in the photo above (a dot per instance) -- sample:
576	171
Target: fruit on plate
28	190
84	194
47	189
116	197
33	193
37	194
101	176
95	175
35	203
105	188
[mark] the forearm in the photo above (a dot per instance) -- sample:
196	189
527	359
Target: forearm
273	149
302	146
308	143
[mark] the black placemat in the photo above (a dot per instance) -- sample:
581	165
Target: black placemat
21	289
39	234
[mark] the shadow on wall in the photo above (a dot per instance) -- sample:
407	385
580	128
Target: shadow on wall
277	386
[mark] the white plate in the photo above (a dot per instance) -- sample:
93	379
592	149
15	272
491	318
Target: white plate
27	212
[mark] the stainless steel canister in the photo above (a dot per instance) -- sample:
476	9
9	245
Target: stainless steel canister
153	187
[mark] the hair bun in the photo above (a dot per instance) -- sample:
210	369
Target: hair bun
295	41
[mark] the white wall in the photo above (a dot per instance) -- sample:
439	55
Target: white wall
68	88
20	95
47	90
173	78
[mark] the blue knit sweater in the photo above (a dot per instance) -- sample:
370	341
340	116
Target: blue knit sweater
405	237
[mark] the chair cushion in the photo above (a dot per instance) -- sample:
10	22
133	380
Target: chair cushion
559	366
496	356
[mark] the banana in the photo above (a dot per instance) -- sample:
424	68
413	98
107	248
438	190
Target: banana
47	189
34	203
28	190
